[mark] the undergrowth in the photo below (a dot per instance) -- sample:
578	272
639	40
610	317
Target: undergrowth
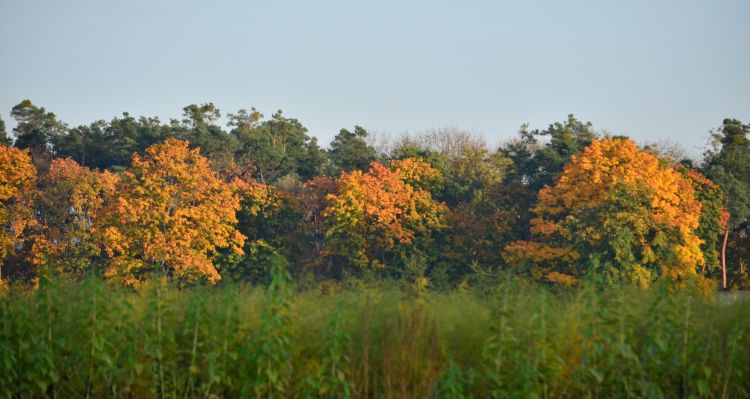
67	339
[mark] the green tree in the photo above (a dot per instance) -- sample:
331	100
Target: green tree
199	128
4	139
266	218
36	128
199	115
279	146
110	145
712	219
349	150
538	164
728	164
313	160
244	118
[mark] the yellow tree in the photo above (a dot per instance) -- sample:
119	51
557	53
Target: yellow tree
71	197
171	216
17	195
371	212
618	212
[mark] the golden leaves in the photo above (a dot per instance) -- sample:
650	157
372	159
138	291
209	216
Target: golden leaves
381	208
172	212
17	195
615	192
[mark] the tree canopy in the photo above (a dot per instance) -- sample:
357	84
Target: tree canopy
616	211
191	200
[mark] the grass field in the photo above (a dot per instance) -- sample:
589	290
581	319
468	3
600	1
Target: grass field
89	339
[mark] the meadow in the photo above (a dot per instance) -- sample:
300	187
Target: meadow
520	339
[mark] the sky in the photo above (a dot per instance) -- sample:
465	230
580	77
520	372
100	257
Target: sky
653	70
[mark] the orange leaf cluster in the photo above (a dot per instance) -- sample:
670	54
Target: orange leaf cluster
72	197
587	185
17	195
375	210
255	196
172	212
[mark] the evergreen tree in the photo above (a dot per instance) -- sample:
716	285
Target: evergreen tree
349	150
36	128
728	164
4	139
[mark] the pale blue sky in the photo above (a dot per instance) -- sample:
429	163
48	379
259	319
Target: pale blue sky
654	70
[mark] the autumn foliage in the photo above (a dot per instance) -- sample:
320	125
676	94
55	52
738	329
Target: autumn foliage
203	211
171	215
618	211
17	195
70	200
373	211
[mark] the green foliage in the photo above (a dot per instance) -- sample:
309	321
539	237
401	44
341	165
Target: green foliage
728	165
538	164
110	145
279	146
334	378
87	339
349	150
272	367
36	128
711	224
4	139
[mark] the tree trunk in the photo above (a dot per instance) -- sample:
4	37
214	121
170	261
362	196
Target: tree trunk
724	257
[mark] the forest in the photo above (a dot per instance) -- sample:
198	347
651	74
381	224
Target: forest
142	258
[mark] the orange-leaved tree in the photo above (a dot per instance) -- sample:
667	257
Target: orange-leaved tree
17	195
71	197
171	216
372	212
616	212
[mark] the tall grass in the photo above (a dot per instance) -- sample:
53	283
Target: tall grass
93	340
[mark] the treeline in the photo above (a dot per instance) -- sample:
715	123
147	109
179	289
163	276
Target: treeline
131	198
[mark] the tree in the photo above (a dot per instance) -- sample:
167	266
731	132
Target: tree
449	141
171	216
538	164
468	167
264	219
36	128
313	160
617	212
349	150
713	218
70	199
4	139
473	174
728	164
245	119
373	212
279	146
199	129
479	227
110	145
199	115
17	196
310	236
